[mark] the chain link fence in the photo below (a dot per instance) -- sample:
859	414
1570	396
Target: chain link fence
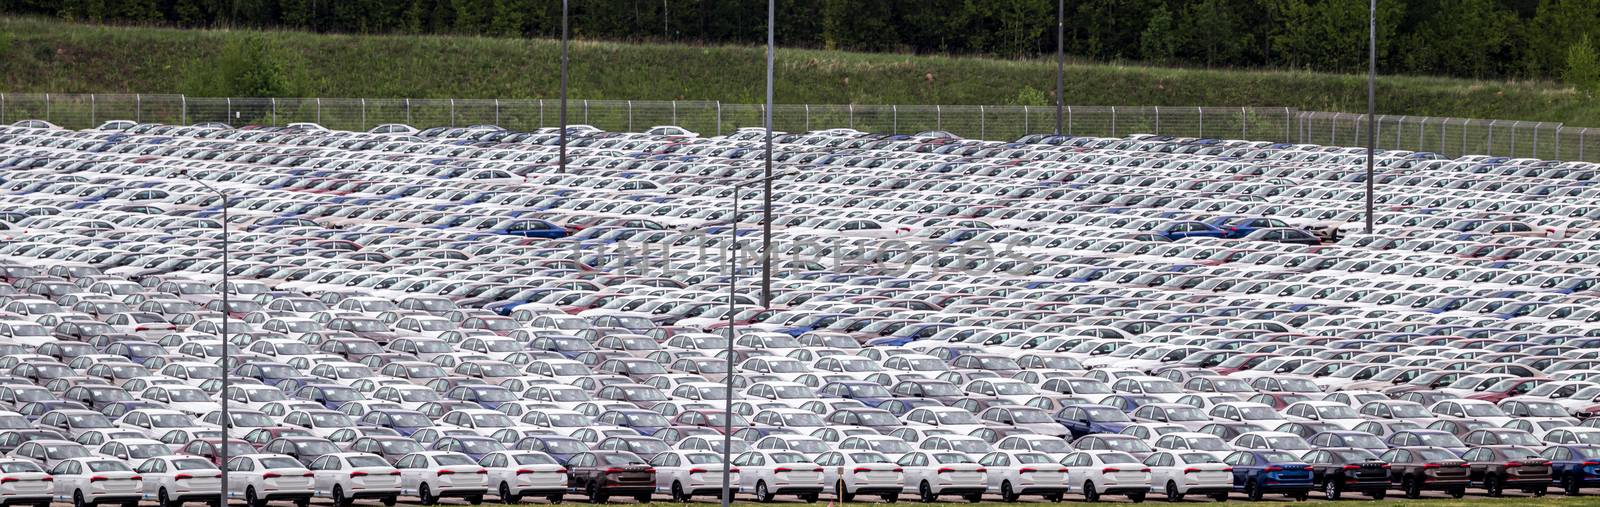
1448	136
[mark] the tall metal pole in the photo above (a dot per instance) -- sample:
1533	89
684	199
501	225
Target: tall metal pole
222	450
766	175
727	401
562	167
1372	78
1061	60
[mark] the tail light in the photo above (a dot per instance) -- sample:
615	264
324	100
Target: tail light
1430	465
614	470
445	472
8	479
898	470
307	474
526	471
99	478
1591	463
48	479
1274	468
178	477
275	475
697	470
1192	470
1352	467
780	470
481	471
1513	463
983	470
1027	470
946	470
1229	469
861	470
561	470
1145	470
1110	470
358	474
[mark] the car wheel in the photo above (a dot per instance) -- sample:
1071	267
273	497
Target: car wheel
1492	486
844	495
1089	493
475	499
506	496
162	500
1569	486
677	493
1252	492
1006	493
809	497
642	498
1331	489
1172	492
425	495
1458	492
1137	497
250	498
762	494
1220	497
974	497
890	498
1411	487
77	499
925	493
304	502
1378	495
338	497
390	501
595	495
555	499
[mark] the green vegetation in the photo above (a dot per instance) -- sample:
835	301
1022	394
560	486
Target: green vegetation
56	57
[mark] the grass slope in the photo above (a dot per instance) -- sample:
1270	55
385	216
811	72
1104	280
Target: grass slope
50	56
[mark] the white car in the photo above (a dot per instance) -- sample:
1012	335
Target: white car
1108	473
1180	473
1014	474
176	480
134	451
431	475
684	474
31	485
98	481
156	422
936	474
519	474
261	478
768	473
348	476
858	472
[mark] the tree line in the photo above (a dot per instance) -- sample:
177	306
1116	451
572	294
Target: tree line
1462	38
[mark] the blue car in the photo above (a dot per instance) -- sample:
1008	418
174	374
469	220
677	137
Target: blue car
1574	466
1256	473
404	422
529	228
1089	418
868	393
1240	227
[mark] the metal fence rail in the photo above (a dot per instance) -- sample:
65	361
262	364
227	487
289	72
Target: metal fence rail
1449	136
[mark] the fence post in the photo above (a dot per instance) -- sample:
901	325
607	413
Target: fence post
1490	142
1333	130
630	116
1200	112
1069	120
1580	142
808	117
138	108
363	114
894	111
719	115
852	110
1536	128
1244	123
1113	121
274	115
227	112
674	112
1286	119
586	112
183	109
1399	128
1025	120
2	108
982	132
408	111
1513	151
938	118
1559	126
319	110
541	112
496	112
47	107
452	112
1158	120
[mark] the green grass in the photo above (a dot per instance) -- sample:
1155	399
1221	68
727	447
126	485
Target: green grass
56	57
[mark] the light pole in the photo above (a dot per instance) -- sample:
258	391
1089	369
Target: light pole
1061	60
222	450
733	285
1372	78
766	197
561	163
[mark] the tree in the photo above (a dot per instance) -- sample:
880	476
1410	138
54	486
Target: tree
246	67
1583	65
1159	42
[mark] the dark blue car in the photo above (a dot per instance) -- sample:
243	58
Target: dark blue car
1180	229
529	227
1574	466
1086	419
1256	473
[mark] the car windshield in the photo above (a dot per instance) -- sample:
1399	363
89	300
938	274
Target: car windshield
1336	412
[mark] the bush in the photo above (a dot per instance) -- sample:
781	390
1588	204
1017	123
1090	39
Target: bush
246	67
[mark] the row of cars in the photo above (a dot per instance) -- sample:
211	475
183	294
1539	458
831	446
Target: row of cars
450	313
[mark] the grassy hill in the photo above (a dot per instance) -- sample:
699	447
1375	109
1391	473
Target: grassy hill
49	56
